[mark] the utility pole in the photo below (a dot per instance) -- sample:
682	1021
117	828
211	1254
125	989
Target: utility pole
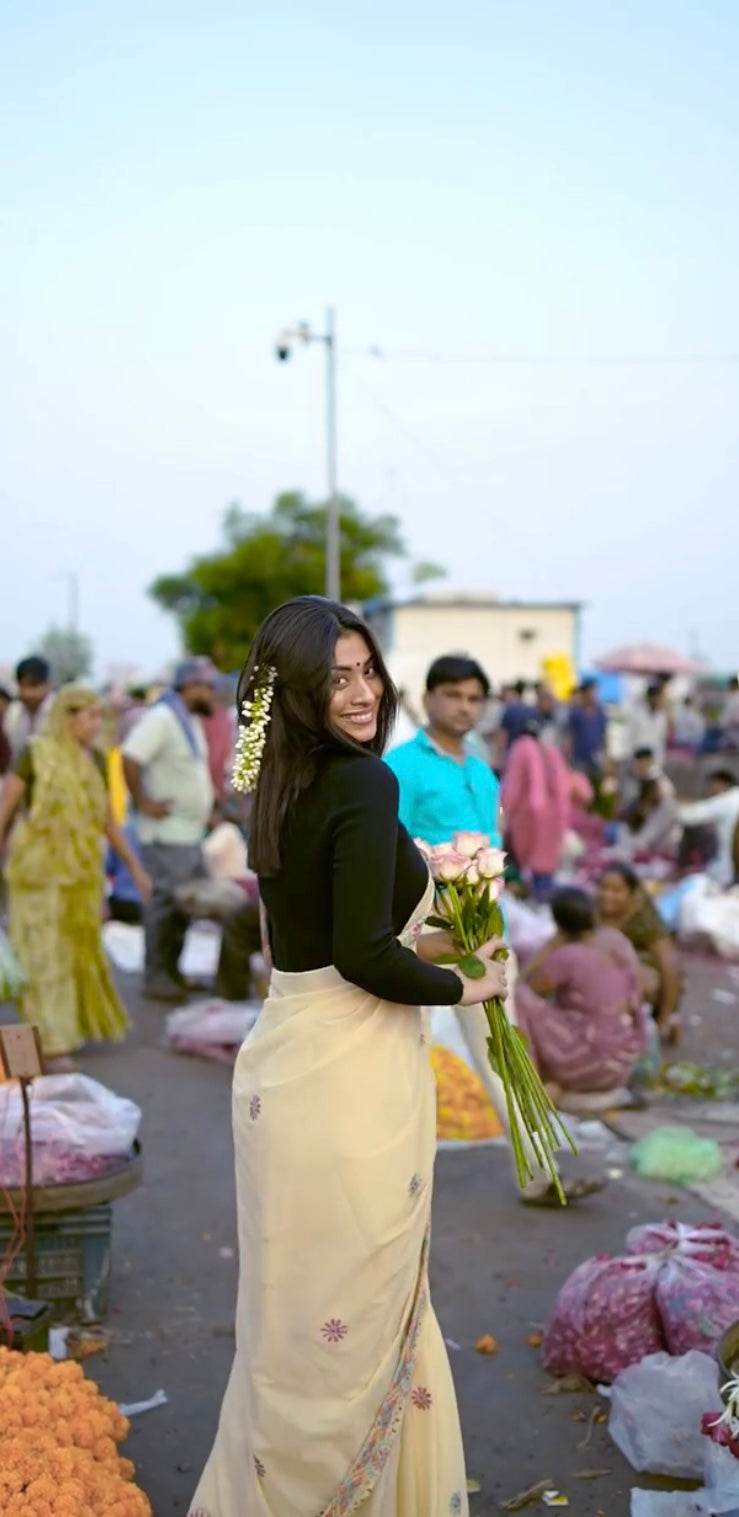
333	534
304	333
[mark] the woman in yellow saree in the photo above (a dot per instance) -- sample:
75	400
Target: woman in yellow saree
55	879
340	1398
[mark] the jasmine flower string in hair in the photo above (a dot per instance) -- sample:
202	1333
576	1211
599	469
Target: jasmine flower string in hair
255	714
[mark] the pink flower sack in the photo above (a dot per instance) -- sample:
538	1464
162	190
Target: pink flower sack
605	1318
677	1288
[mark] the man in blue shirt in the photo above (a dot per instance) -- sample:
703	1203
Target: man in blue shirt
587	728
444	787
518	714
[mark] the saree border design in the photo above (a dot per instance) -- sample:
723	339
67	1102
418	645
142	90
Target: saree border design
369	1463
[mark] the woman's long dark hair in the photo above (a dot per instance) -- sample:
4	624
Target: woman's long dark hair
298	641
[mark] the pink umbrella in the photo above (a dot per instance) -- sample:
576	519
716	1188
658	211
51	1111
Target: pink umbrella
647	658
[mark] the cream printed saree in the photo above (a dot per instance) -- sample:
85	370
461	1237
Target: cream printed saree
340	1398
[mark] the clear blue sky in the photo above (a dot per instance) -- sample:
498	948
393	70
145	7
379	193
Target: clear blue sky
554	181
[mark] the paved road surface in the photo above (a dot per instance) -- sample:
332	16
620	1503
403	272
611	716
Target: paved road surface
495	1265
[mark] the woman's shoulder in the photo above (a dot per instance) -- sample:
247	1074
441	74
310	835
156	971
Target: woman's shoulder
611	937
563	954
646	923
347	775
615	943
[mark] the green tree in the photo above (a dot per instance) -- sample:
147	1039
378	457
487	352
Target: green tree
69	654
220	599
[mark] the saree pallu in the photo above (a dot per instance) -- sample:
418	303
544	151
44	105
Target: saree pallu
340	1398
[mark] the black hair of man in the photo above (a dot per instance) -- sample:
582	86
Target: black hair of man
452	669
723	777
33	671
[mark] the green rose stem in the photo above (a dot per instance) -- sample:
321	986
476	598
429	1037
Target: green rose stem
474	918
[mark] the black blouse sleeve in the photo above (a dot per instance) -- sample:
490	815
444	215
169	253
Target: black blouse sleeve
365	949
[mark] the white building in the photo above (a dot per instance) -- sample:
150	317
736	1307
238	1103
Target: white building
510	639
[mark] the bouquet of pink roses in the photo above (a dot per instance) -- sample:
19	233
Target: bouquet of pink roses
469	883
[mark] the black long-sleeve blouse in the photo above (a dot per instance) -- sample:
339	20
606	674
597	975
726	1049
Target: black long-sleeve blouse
349	881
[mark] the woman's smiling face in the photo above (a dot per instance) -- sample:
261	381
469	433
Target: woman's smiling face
356	689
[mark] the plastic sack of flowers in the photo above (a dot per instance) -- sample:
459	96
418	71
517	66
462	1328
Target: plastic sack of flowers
468	874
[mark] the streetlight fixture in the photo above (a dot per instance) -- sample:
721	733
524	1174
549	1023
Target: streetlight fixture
304	333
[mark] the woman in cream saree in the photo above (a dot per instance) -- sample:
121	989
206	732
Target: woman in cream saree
340	1398
341	1381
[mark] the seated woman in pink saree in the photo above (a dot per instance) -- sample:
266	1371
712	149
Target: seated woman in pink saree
340	1398
579	1002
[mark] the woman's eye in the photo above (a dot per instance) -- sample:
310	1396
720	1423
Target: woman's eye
340	682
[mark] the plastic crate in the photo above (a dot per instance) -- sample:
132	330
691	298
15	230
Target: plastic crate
73	1261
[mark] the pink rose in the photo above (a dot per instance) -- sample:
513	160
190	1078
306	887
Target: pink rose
441	850
496	888
491	863
472	876
469	843
447	864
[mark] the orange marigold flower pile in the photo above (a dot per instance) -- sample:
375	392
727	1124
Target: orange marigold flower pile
59	1444
463	1110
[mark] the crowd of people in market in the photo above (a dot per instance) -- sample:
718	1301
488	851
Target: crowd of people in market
119	804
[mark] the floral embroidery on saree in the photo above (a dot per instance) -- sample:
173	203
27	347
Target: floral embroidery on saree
366	1469
334	1330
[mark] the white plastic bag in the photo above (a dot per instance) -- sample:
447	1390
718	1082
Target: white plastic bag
714	914
125	946
664	1504
213	1029
721	1477
79	1129
12	978
217	899
656	1411
526	929
225	853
